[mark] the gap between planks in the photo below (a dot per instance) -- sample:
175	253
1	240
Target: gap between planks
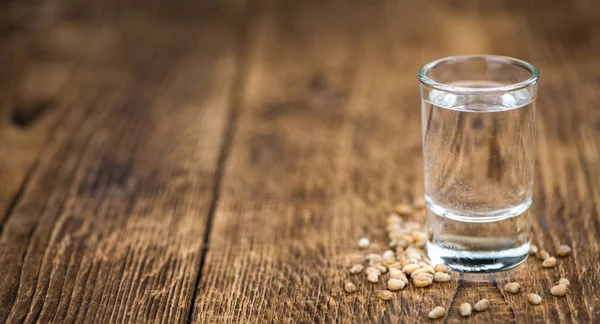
237	89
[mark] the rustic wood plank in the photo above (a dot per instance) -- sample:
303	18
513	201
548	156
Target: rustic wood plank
29	85
110	225
135	106
329	139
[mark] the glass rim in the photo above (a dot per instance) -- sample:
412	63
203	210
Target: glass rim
535	74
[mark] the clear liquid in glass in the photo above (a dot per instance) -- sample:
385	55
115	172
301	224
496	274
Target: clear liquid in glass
478	179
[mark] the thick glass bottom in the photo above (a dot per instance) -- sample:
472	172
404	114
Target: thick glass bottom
477	261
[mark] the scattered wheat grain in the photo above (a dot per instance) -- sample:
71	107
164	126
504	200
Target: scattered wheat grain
441	268
349	287
465	309
533	249
437	312
385	294
563	251
395	284
441	277
482	305
542	255
382	269
357	268
549	262
534	299
558	290
422	282
364	243
373	277
409	268
512	287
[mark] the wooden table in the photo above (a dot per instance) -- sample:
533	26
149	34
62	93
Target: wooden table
175	161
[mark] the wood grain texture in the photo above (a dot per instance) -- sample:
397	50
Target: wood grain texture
110	225
329	140
216	161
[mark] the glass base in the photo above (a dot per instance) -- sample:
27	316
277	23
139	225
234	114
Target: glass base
478	261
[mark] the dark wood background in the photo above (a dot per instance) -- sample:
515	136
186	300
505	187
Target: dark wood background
216	161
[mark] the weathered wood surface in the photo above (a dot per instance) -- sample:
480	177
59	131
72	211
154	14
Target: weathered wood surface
119	171
173	161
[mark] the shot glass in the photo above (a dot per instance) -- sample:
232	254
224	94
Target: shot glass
478	127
